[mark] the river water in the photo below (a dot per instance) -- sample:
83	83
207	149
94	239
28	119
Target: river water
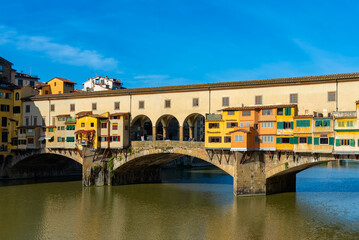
191	204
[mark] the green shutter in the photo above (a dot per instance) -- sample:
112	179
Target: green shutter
331	141
295	140
352	142
70	139
298	123
288	111
278	140
309	140
337	142
308	123
291	140
328	123
291	125
316	141
280	125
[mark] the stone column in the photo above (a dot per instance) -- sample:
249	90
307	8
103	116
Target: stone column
164	130
181	133
154	133
191	132
249	177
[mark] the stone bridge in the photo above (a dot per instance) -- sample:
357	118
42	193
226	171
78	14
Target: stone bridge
253	172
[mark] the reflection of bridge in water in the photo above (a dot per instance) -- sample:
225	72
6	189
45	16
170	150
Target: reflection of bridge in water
253	172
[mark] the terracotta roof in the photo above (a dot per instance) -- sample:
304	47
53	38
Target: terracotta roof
240	130
119	114
4	60
303	116
212	86
84	131
63	79
84	113
258	107
51	126
78	91
63	115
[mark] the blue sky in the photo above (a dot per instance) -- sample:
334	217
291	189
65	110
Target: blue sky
159	43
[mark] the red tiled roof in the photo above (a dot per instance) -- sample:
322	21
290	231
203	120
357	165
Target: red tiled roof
303	116
258	107
64	80
63	115
119	114
84	113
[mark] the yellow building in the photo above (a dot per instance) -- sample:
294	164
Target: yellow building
323	134
303	133
346	132
218	128
57	86
285	125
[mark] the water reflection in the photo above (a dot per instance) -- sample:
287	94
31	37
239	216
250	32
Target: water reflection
191	204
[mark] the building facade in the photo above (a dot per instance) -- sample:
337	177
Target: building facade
101	84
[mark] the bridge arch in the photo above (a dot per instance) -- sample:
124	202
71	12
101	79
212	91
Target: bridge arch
42	165
167	128
193	127
141	128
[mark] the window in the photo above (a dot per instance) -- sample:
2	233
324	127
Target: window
70	127
349	123
70	139
293	98
72	107
22	142
141	104
241	124
1	68
227	139
256	139
213	125
114	126
230	113
246	113
167	103
288	111
345	142
52	107
258	100
32	84
238	138
267	112
16	109
280	111
1	94
324	141
225	101
287	125
17	96
214	139
266	124
5	108
195	102
27	122
7	95
4	121
35	121
104	125
82	124
50	130
27	108
54	83
267	139
22	131
331	96
30	140
94	106
4	137
248	124
60	139
92	124
302	140
285	140
232	124
116	138
340	123
303	123
117	106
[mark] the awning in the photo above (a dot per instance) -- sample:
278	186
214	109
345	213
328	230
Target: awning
84	131
48	138
41	138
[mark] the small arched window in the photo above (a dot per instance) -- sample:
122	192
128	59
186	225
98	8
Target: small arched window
17	96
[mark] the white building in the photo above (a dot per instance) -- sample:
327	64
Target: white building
101	83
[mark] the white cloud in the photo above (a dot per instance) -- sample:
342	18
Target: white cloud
61	53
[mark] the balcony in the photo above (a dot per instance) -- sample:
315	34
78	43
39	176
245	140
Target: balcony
345	114
213	117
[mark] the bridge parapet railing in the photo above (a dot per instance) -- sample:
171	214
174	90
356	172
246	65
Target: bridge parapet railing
167	144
